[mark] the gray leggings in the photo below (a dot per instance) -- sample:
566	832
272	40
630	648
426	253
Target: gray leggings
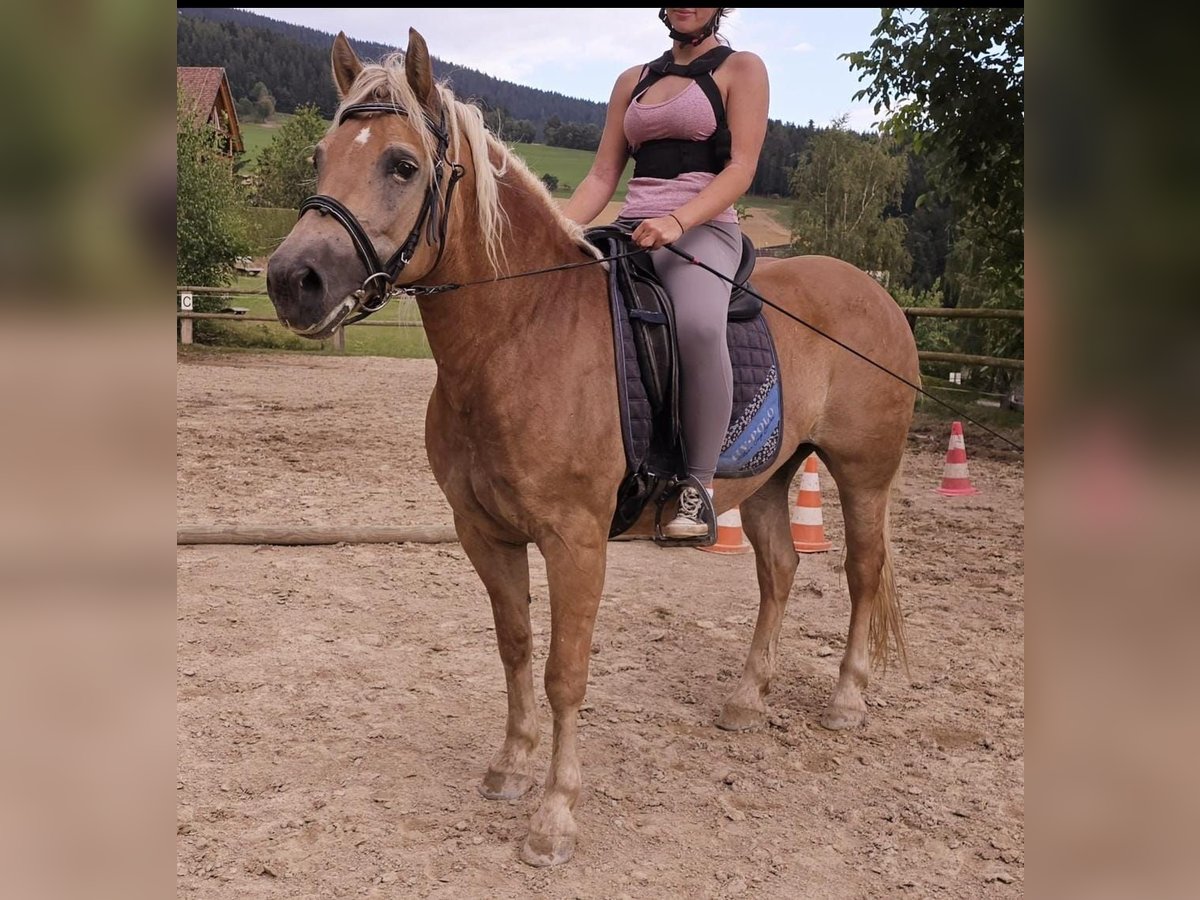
701	311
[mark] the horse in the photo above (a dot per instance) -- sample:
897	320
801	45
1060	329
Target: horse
522	430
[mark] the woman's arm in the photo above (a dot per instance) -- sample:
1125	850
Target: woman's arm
600	183
746	105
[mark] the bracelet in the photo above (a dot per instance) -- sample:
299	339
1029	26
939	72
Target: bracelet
677	222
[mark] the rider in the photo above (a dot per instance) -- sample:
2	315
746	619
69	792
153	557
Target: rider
694	121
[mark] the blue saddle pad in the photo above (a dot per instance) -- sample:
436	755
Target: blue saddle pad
756	424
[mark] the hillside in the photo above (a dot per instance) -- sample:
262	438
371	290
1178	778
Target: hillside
293	62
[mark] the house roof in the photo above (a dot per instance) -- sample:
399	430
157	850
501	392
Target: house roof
200	84
204	87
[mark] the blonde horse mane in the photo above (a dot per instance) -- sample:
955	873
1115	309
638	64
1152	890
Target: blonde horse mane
385	81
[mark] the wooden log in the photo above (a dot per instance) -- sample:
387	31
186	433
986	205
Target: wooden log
940	312
316	535
339	339
226	291
306	535
237	317
968	360
185	331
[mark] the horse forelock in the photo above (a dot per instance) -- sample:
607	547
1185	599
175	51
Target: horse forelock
490	160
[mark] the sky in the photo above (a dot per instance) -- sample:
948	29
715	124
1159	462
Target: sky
580	51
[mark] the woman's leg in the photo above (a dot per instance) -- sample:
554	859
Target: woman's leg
701	302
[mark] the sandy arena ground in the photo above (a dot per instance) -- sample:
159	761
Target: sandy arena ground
338	705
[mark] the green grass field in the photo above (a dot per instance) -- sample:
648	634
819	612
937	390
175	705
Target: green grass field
257	136
568	166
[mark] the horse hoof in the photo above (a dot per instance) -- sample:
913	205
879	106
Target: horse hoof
740	718
839	718
505	785
543	850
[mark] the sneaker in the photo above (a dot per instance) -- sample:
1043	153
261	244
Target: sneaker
689	521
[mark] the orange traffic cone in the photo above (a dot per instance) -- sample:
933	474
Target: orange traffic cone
808	528
956	481
730	538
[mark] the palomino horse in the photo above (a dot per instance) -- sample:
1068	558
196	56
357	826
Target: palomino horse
522	426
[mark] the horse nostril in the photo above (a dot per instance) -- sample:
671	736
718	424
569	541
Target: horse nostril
309	284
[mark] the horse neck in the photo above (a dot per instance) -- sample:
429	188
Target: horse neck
466	326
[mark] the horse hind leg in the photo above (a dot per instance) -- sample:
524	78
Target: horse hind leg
504	570
766	519
875	617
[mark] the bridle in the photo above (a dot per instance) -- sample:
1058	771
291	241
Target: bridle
378	288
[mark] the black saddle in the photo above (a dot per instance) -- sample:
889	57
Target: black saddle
647	374
742	306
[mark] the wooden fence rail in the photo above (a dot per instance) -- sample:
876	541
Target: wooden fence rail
967	359
911	313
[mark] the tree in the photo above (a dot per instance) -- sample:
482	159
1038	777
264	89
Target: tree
508	129
930	224
285	166
573	135
263	102
208	223
843	188
953	81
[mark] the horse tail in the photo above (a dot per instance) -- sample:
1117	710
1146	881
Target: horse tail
887	620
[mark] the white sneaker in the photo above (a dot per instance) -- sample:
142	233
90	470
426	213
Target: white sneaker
689	521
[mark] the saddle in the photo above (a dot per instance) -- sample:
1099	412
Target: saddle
647	366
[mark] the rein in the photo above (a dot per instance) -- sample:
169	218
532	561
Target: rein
442	288
428	290
377	289
746	287
379	286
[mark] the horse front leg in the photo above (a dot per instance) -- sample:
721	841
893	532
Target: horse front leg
504	570
575	572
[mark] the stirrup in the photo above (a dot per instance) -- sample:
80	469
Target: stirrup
708	514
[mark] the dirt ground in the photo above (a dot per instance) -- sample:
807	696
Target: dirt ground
338	705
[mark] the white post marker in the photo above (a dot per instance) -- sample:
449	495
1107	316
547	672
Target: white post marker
185	325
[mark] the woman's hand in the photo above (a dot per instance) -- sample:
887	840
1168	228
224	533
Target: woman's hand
654	233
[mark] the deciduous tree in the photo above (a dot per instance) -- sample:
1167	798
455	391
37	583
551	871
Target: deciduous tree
285	166
952	82
843	188
208	224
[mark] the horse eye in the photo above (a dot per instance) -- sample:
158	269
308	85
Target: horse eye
404	169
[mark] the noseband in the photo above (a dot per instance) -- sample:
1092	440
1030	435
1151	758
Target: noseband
376	290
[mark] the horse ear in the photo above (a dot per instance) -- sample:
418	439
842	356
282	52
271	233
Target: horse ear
346	65
418	68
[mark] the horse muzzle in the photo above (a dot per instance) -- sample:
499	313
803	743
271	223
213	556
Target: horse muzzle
307	299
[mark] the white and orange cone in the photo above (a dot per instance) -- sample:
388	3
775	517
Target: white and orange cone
730	537
808	527
956	480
